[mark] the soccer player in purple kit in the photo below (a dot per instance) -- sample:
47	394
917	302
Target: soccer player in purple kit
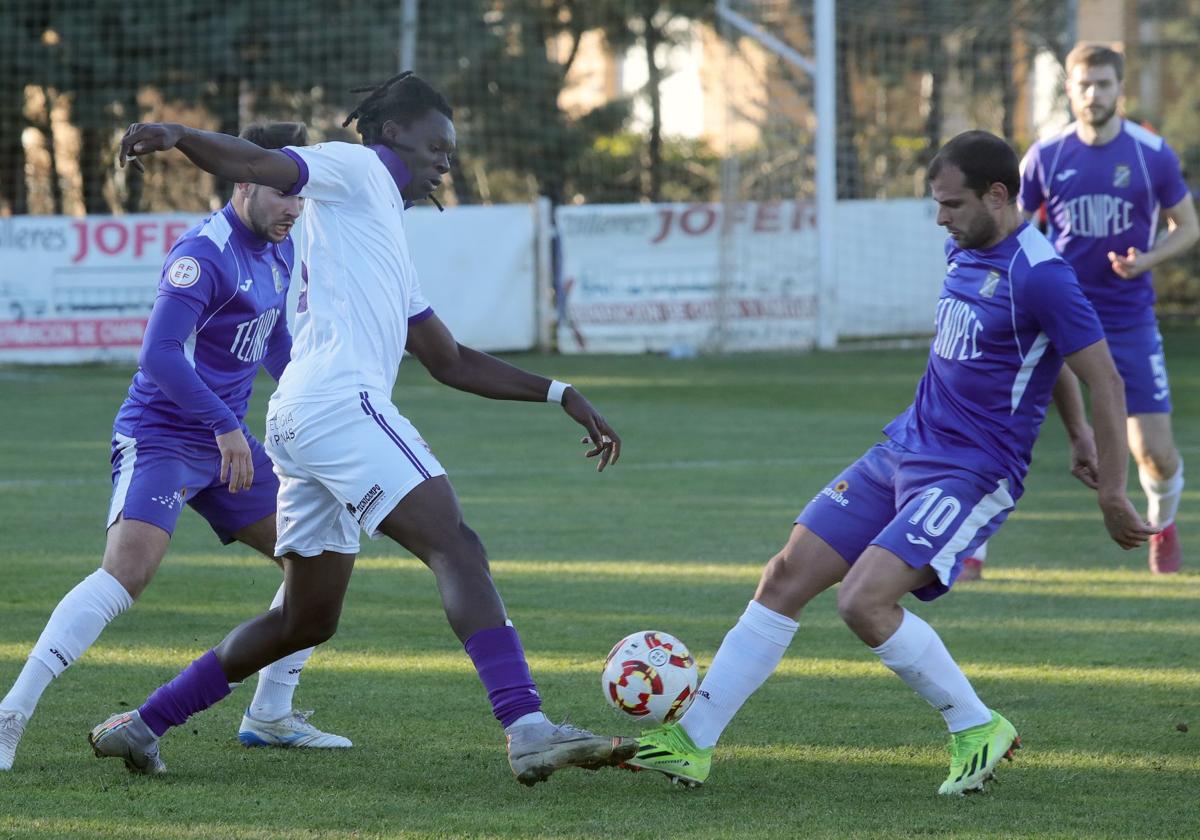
347	459
179	438
1104	181
903	517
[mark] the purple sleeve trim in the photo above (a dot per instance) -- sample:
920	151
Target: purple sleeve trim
424	315
162	359
301	181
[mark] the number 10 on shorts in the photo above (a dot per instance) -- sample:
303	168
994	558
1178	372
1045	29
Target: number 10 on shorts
936	512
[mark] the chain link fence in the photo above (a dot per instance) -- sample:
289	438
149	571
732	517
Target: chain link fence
610	101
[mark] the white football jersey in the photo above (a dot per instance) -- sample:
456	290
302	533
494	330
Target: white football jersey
358	287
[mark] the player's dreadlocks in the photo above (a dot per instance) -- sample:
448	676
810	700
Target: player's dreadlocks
402	98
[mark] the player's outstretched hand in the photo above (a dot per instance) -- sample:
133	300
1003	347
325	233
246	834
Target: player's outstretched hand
1129	266
237	464
1084	460
144	138
606	443
1124	525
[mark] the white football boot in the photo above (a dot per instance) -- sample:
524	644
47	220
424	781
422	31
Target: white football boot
292	730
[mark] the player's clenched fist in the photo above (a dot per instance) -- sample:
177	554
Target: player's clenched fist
144	138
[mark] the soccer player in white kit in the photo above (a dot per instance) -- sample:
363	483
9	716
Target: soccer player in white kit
347	459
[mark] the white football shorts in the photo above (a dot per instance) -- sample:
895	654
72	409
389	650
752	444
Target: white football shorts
342	465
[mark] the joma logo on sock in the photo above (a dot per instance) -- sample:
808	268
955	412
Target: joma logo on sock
61	658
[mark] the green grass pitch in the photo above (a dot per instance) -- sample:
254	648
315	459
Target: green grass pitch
1093	659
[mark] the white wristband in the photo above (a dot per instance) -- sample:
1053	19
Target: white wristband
557	389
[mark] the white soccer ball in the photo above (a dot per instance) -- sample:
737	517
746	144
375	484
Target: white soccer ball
650	674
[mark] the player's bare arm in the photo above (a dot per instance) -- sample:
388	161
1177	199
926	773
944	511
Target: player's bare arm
225	156
1183	231
1069	401
470	370
1094	365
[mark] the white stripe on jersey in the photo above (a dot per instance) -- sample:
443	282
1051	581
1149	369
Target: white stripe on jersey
994	503
124	476
1036	247
1028	363
218	229
1142	135
189	349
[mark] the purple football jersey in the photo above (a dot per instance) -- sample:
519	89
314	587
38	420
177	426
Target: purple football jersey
236	284
1100	199
1005	319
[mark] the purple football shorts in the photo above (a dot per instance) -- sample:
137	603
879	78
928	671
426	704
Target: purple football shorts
926	510
154	476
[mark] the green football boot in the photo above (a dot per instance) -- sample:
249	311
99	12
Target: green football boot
670	751
975	752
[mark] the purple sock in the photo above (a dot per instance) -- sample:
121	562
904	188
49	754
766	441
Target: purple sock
198	686
500	661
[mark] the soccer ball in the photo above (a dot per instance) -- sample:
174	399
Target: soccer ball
650	674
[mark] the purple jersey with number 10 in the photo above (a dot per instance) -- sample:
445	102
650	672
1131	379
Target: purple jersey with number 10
1005	319
1101	199
236	283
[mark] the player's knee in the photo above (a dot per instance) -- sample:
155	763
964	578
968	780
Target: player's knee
132	575
463	553
854	605
472	545
1160	461
777	575
314	626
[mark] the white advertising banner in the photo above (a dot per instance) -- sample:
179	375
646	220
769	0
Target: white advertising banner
81	289
647	277
891	261
477	268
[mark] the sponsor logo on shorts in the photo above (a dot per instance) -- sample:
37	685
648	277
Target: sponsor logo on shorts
175	500
366	503
837	493
280	428
1158	367
918	540
184	272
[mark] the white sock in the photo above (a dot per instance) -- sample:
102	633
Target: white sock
917	656
749	654
74	625
525	720
1162	496
277	682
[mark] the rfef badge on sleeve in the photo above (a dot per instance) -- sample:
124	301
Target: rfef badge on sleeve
184	272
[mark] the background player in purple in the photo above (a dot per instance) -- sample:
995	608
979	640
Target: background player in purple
1104	181
179	438
902	517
